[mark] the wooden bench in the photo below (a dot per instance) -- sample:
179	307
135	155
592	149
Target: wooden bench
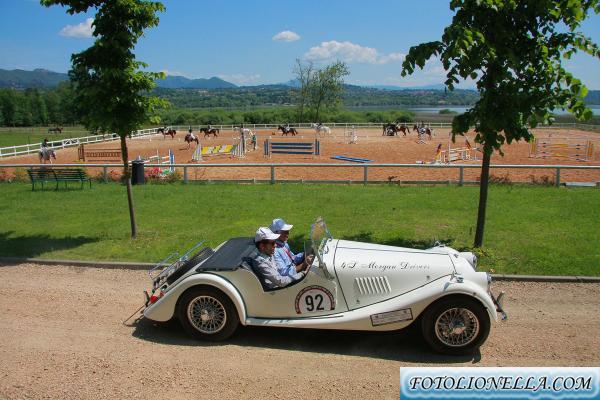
57	175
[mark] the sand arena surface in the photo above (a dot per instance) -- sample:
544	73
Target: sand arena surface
370	145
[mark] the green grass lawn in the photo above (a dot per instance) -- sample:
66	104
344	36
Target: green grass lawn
529	229
37	135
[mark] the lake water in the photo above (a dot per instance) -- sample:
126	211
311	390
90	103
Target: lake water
458	109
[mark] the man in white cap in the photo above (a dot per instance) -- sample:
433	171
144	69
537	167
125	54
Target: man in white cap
264	264
287	262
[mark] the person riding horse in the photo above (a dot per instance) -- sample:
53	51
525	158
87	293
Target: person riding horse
285	129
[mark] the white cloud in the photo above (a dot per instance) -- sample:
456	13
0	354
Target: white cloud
169	72
82	30
240	79
286	36
351	53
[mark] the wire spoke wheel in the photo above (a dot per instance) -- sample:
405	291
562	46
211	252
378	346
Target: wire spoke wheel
207	314
457	327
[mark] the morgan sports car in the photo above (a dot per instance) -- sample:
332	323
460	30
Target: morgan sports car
350	286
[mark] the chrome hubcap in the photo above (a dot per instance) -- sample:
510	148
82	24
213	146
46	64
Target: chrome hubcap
457	327
207	314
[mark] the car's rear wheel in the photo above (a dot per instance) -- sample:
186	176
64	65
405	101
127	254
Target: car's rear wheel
207	314
455	325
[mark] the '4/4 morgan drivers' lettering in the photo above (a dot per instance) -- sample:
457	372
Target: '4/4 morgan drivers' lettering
384	267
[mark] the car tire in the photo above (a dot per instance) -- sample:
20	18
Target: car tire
206	313
455	325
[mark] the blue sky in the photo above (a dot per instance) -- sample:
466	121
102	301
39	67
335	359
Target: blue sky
254	42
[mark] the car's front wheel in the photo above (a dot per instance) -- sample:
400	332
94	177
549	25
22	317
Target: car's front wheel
455	325
208	314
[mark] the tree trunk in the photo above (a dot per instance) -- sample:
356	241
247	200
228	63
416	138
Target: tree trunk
127	177
483	192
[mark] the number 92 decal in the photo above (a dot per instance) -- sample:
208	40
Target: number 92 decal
314	299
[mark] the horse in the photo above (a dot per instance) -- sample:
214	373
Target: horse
189	138
210	131
393	129
287	129
55	130
321	129
170	132
45	154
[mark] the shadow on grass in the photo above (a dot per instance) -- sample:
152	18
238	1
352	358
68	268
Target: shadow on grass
406	345
36	245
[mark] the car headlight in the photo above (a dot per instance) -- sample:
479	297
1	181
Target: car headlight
470	257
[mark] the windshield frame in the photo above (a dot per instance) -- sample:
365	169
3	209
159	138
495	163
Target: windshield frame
319	237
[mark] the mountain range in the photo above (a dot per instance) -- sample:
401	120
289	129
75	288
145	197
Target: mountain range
42	78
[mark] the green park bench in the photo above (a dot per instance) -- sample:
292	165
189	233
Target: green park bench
43	175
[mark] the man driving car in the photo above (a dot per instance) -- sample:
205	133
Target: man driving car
265	266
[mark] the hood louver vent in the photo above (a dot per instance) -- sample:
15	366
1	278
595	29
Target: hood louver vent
372	285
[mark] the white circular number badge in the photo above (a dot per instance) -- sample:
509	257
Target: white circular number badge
314	299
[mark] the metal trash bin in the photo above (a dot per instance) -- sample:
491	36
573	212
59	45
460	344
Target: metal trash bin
137	172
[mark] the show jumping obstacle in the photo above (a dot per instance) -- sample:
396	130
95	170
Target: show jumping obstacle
296	148
99	154
549	148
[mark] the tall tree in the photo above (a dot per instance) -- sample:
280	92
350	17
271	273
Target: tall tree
514	49
304	76
109	86
326	86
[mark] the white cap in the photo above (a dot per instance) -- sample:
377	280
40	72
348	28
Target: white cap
265	234
280	225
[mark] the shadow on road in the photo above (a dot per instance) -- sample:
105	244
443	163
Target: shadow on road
404	346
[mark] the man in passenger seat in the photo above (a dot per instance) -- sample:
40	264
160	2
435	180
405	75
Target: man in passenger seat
264	264
288	263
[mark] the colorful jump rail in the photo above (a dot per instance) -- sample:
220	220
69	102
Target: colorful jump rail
296	148
98	154
548	148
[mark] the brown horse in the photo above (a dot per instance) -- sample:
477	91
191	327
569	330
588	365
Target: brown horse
210	131
189	138
393	129
55	130
170	132
286	129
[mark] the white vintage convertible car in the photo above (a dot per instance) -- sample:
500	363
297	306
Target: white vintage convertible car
350	286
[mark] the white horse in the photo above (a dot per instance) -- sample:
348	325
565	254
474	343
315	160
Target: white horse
45	154
321	129
245	131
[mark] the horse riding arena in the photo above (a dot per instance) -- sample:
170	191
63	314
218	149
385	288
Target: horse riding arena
369	144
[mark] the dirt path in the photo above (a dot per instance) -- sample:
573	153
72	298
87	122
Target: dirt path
62	337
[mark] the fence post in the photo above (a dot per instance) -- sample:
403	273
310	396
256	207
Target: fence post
105	173
272	174
557	177
461	176
366	174
185	175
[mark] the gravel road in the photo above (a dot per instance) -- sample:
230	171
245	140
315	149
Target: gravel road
62	337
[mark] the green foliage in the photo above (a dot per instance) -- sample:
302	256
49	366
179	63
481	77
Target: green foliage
514	50
319	88
277	116
35	107
446	111
109	85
